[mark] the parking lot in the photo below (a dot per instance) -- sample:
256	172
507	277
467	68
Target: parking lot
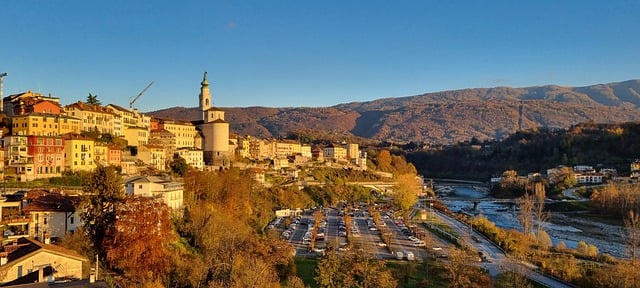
405	242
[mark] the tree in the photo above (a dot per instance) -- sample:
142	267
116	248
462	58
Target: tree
526	203
541	216
77	241
543	239
138	241
512	280
632	235
329	270
456	269
179	165
102	191
93	99
353	269
384	161
405	193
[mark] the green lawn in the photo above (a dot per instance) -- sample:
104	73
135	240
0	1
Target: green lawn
306	270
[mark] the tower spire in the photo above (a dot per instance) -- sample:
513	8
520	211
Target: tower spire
205	82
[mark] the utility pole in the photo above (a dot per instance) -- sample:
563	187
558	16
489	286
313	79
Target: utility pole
2	75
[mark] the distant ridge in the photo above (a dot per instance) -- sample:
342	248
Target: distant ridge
442	117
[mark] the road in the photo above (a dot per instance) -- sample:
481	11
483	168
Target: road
500	262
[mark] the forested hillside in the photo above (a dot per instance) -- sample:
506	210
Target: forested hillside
443	117
535	150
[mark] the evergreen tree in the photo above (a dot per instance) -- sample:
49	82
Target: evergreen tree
93	99
102	191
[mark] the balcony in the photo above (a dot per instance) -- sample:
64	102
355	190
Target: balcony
15	220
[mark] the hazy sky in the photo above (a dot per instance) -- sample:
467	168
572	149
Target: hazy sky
309	53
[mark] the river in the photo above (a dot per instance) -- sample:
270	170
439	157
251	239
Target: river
562	228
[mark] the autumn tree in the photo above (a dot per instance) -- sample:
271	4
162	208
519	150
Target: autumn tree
102	191
405	193
138	242
352	269
384	160
461	274
223	216
562	179
540	215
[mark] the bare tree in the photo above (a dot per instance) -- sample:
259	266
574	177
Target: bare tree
632	235
526	203
540	215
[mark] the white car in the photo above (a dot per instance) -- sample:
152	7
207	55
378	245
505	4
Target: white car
382	244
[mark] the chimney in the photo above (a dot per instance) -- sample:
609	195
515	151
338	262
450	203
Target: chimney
47	238
4	258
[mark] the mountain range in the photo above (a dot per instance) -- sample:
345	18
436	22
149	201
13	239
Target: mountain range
441	117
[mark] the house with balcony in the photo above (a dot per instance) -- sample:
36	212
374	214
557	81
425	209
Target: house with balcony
44	124
47	154
114	155
153	156
184	132
100	154
13	222
164	138
169	191
19	163
78	152
51	214
193	156
94	117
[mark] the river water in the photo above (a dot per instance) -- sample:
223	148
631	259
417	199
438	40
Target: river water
607	240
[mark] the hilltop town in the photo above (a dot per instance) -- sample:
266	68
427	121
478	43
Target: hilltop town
43	139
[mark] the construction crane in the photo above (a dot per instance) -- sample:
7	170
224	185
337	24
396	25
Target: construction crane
2	75
138	96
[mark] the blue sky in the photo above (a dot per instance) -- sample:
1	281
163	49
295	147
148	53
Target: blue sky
309	53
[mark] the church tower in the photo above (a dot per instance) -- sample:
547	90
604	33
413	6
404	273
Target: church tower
205	97
215	130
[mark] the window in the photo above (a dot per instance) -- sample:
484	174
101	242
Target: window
71	220
140	186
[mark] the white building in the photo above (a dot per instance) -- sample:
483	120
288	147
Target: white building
150	186
193	156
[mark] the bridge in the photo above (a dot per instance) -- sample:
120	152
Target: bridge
476	201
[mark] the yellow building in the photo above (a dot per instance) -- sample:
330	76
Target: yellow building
41	124
25	255
334	152
92	116
152	155
78	151
136	136
184	132
126	118
101	154
287	148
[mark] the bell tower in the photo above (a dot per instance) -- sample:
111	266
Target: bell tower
205	97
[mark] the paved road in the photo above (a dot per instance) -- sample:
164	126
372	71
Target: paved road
500	261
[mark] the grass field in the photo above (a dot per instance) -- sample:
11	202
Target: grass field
306	270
